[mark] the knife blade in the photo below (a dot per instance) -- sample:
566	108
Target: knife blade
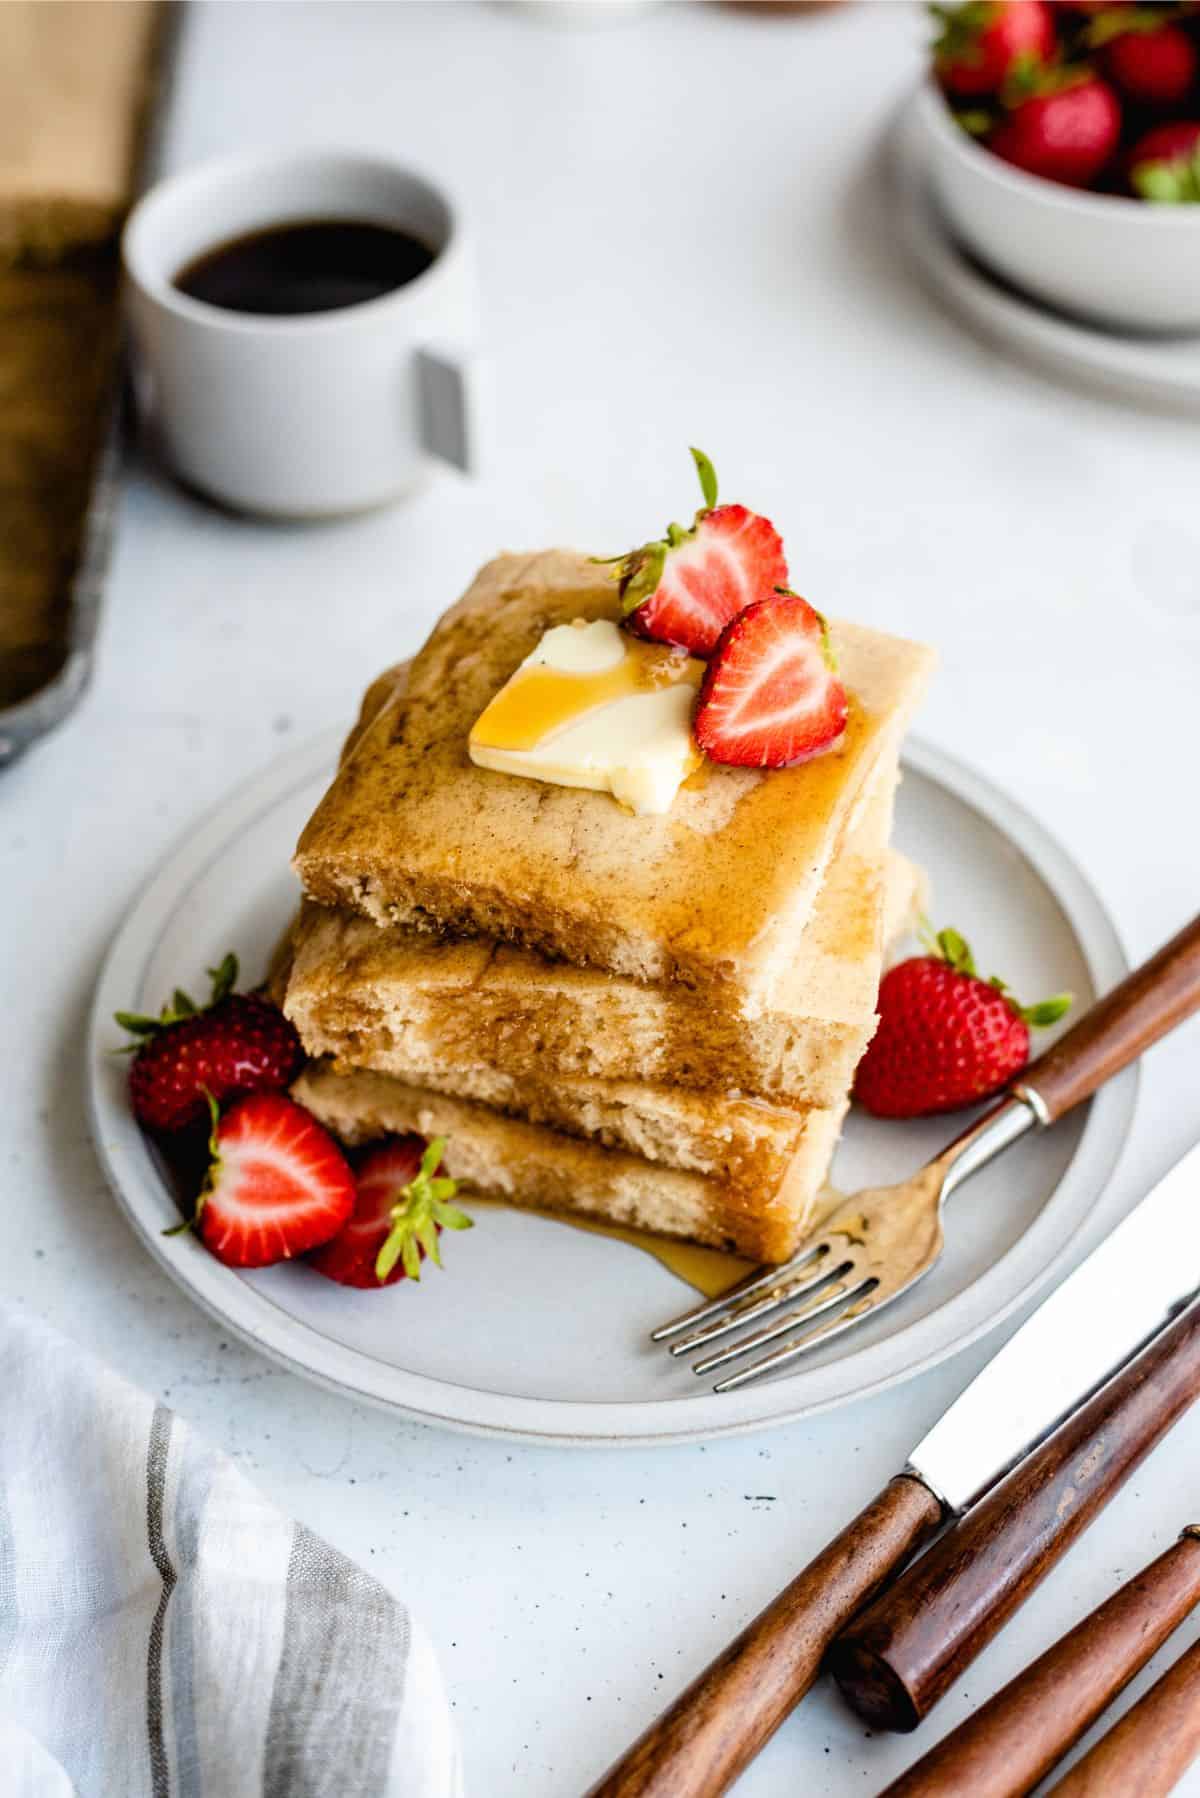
1119	1299
1116	1299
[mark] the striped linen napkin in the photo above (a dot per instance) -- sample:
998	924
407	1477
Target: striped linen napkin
165	1633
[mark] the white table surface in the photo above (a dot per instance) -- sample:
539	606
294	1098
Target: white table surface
683	238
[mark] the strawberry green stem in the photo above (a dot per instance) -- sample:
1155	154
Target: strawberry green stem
641	570
182	1005
419	1209
708	477
950	947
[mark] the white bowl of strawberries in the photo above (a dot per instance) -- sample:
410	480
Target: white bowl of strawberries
1064	150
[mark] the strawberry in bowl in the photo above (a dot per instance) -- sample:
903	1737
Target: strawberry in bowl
1164	164
1036	173
1065	129
982	44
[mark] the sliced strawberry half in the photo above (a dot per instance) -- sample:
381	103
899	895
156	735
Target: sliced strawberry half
278	1185
771	696
687	587
401	1206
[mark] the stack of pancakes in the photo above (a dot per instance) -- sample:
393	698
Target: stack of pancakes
653	1020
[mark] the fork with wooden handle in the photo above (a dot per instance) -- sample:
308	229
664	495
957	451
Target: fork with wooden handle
705	1739
880	1242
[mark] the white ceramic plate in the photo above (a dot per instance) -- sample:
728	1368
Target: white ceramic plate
1163	369
540	1331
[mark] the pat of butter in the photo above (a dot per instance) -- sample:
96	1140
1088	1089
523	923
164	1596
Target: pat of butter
593	707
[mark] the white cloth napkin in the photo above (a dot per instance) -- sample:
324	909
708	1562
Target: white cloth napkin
165	1633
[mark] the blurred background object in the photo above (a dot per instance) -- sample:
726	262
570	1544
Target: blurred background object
783	6
76	80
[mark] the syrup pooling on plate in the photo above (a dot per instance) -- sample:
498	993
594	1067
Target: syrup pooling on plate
709	1271
594	707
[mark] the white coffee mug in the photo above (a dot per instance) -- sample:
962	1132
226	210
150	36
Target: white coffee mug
320	413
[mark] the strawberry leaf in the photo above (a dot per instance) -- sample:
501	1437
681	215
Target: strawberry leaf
959	31
1049	1011
214	1152
224	979
1120	21
426	1234
431	1159
708	478
181	1005
451	1218
827	649
641	572
411	1256
974	120
955	949
1175	183
389	1254
137	1023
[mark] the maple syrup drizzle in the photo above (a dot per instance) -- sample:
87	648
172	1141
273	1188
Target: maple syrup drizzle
540	700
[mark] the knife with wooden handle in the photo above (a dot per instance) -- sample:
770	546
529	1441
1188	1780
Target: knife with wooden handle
1153	1745
1010	1743
897	1659
1091	1337
1121	1296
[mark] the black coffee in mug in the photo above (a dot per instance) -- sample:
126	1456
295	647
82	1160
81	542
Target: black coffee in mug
305	265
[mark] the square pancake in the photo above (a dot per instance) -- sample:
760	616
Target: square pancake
404	1003
531	1165
713	894
727	1136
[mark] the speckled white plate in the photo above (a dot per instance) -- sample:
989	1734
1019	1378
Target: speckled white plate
539	1331
1165	370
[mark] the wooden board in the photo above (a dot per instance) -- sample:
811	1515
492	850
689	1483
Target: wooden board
76	81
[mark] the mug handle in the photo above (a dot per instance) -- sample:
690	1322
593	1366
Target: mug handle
450	381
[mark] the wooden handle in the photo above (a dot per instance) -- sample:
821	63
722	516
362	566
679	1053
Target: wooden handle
1152	1746
1148	1003
700	1745
1012	1742
897	1659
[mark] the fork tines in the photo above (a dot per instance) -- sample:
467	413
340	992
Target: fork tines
824	1288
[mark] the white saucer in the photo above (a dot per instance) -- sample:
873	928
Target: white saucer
539	1331
1165	370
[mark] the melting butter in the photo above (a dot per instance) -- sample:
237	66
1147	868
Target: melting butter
593	707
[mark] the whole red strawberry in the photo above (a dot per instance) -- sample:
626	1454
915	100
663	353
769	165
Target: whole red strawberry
685	588
982	43
1164	164
1149	58
946	1038
237	1043
400	1208
278	1185
1066	133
